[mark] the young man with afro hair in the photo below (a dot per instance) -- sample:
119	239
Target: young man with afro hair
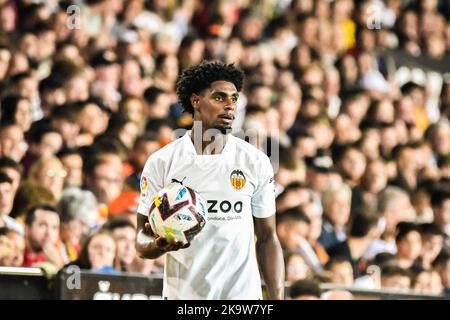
236	180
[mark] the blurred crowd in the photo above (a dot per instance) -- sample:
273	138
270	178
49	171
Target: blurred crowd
362	145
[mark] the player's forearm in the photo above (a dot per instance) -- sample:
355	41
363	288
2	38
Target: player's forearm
146	247
270	258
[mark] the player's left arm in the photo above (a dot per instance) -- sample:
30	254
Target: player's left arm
270	256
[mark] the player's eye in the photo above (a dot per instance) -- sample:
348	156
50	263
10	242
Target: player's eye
218	98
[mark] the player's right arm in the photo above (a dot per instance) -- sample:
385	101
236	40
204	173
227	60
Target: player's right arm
147	245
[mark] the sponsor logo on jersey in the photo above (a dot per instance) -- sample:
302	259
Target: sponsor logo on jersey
144	184
215	206
237	179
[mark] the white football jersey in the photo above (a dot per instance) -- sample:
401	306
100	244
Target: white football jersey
237	185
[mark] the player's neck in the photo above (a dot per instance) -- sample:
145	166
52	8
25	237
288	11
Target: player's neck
207	144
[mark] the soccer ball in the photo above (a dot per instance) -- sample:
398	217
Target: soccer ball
177	213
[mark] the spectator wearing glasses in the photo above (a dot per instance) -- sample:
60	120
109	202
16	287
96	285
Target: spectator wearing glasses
50	174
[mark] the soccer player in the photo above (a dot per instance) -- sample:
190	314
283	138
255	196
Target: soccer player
236	180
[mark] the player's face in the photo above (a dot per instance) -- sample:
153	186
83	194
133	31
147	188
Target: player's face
215	107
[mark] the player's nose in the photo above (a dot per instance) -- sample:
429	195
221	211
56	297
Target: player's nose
230	105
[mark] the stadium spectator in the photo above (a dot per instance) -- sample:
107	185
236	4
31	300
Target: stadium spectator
428	282
364	229
305	290
133	108
12	142
42	225
12	169
125	233
72	161
27	196
421	200
440	201
313	211
16	110
355	104
143	147
296	267
409	245
157	103
394	205
294	195
432	243
78	214
104	178
321	174
64	120
16	243
341	271
374	180
79	204
394	277
336	295
99	253
351	164
336	202
292	228
92	118
124	129
6	204
44	141
50	174
438	135
7	252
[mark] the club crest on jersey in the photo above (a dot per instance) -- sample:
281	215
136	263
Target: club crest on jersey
237	179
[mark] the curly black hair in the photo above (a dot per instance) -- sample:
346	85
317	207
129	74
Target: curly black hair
197	78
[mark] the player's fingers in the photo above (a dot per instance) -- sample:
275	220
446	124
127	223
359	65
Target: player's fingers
187	245
167	245
162	243
148	227
176	246
181	245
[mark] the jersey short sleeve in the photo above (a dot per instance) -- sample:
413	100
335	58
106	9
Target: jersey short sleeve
263	199
151	183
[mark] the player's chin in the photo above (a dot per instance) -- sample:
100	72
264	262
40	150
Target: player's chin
224	129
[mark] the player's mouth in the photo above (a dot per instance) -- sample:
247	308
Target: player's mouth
227	118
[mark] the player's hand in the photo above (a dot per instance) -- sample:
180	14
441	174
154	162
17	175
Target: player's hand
166	245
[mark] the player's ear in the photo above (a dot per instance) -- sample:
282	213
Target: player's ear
195	101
